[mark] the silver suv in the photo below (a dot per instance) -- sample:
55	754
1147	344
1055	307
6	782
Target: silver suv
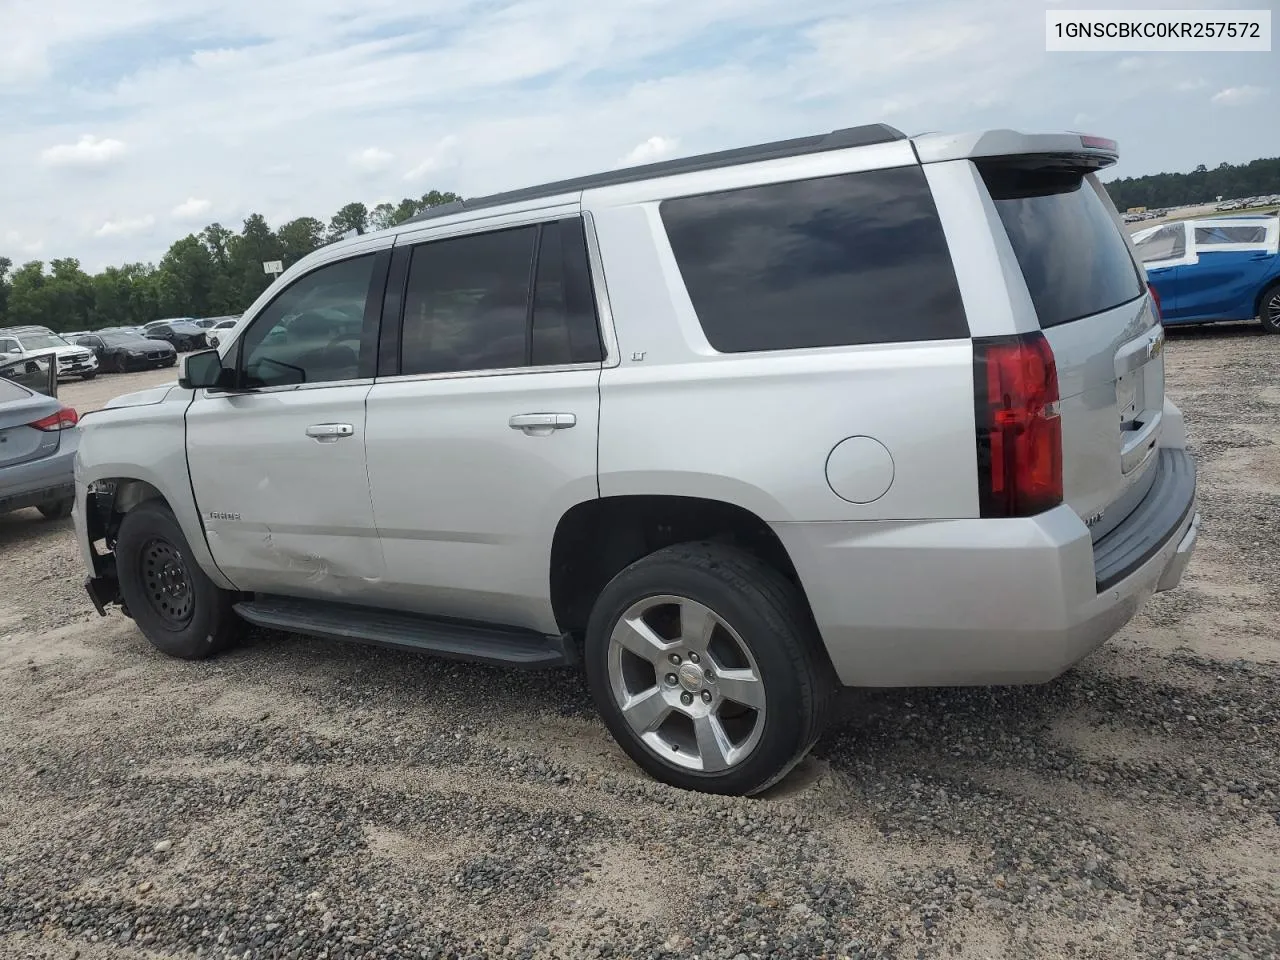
731	431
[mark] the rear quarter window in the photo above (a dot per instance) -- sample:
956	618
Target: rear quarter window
833	261
1073	257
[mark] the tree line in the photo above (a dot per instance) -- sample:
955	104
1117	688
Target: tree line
212	273
1202	185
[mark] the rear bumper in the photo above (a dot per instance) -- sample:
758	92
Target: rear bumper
42	481
959	602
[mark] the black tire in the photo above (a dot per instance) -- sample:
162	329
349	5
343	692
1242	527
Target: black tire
192	623
1269	308
771	619
88	376
122	363
56	510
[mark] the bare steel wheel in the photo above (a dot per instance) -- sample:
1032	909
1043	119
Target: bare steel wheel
686	683
168	584
705	666
179	609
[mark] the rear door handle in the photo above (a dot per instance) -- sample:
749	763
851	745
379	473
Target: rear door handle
540	424
329	432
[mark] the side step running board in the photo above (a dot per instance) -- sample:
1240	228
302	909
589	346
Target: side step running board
409	631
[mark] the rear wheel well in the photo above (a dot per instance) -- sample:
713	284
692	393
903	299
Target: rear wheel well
1262	298
596	540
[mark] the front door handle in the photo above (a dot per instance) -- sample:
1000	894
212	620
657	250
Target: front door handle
329	432
541	424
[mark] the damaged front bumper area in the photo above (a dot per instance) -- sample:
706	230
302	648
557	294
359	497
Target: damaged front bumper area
92	516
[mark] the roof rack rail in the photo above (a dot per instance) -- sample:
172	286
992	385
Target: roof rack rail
835	140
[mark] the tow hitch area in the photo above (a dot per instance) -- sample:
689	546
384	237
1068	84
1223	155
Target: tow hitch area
102	592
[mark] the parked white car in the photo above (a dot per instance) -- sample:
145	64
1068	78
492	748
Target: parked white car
733	431
21	343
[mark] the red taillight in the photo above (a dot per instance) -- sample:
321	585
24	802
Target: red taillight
1098	143
64	419
1019	427
1155	299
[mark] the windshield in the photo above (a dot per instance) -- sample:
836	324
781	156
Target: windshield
41	341
1065	237
119	339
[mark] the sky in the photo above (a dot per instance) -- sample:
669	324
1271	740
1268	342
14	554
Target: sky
126	124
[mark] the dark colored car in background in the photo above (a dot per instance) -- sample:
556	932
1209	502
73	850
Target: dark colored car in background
182	334
122	351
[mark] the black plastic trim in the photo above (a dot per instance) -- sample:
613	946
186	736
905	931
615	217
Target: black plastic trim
1152	524
393	313
454	639
369	339
847	138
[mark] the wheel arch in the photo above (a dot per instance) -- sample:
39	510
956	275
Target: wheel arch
596	539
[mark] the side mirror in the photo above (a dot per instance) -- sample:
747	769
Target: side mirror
204	370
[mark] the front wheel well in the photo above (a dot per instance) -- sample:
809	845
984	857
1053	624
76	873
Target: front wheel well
596	540
109	499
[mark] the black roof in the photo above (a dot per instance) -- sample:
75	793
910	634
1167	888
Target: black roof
836	140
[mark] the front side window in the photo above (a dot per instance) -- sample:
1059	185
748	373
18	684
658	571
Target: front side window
311	333
1167	243
851	259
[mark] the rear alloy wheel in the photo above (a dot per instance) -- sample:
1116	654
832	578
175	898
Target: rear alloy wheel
705	667
179	609
1269	311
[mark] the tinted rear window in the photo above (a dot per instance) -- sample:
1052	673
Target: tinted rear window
850	259
1073	257
11	391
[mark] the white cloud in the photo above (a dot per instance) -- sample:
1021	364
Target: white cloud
650	151
190	209
1234	96
14	240
287	107
88	151
372	159
125	227
437	158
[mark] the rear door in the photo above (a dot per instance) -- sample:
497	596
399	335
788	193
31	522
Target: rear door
1093	307
1234	260
486	432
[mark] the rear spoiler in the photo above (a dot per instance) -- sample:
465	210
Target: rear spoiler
1084	150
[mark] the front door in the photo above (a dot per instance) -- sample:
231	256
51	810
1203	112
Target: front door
487	433
277	463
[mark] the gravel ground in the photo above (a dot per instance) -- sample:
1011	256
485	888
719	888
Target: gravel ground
304	799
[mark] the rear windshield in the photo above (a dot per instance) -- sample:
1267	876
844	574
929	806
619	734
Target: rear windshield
835	261
1073	257
11	391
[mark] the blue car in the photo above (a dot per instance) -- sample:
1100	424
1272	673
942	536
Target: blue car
1202	271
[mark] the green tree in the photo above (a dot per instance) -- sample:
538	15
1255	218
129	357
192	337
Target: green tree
27	296
256	245
299	237
353	216
5	264
1229	181
186	278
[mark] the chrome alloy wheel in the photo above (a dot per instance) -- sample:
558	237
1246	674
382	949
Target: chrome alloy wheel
686	683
